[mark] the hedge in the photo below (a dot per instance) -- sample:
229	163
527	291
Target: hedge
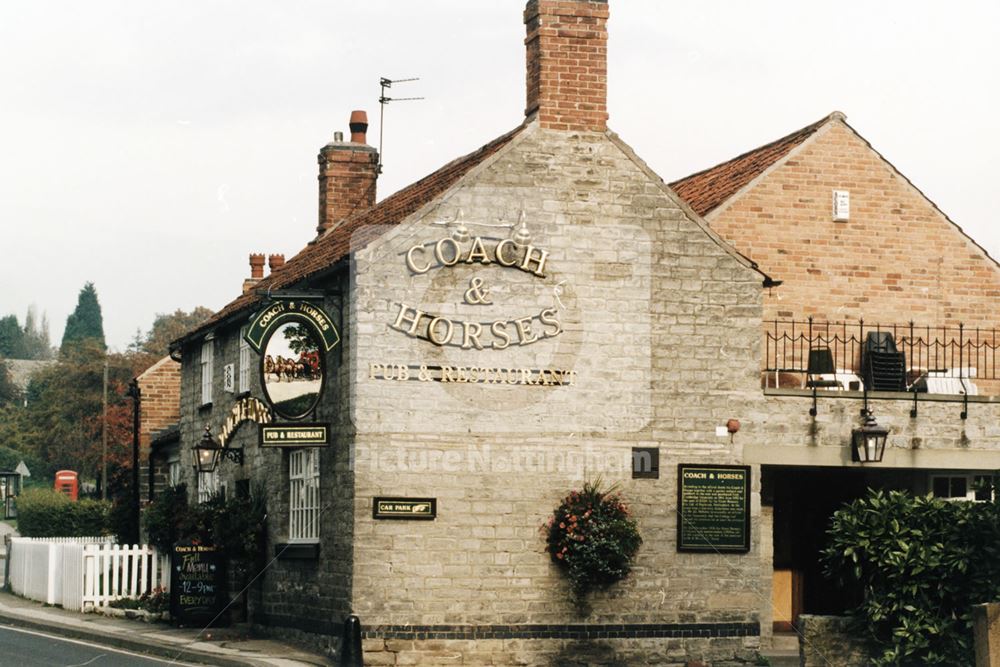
48	513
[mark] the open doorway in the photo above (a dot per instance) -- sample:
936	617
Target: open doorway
803	501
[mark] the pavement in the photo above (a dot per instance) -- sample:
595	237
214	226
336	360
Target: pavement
221	646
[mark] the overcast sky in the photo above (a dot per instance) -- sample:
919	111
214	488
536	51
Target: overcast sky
149	147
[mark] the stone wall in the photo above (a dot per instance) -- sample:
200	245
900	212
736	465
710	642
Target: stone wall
304	597
660	323
826	641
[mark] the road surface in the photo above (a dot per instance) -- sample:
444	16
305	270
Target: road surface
28	648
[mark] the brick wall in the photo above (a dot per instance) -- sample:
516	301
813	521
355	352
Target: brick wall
897	259
566	63
160	407
347	173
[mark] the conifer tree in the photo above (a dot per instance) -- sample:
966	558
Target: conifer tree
86	321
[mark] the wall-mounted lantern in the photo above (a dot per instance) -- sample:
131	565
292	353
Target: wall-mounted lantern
208	451
868	442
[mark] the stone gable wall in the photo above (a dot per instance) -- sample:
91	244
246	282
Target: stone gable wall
661	325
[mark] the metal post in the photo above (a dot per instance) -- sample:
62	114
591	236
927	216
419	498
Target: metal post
351	653
104	435
136	394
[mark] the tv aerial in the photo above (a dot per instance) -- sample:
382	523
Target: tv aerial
383	100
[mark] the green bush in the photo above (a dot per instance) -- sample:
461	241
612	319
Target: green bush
922	563
163	517
48	513
235	524
592	538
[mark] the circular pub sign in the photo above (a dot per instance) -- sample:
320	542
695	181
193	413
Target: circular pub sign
292	338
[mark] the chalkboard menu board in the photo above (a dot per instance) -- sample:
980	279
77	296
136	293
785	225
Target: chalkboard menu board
713	506
198	585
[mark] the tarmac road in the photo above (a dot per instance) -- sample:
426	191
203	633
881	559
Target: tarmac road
28	648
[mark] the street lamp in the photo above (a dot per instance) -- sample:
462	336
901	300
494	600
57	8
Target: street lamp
868	442
206	452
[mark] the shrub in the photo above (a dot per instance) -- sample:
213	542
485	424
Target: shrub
48	513
592	538
236	525
922	563
162	518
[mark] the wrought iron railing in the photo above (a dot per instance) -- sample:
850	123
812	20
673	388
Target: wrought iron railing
948	351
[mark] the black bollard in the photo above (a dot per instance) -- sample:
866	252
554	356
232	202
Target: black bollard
350	643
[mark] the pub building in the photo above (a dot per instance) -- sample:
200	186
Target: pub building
420	386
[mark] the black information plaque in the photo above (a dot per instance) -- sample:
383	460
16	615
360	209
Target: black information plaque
198	585
713	507
412	509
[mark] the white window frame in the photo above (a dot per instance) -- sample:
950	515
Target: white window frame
244	384
971	480
207	353
303	495
174	470
208	485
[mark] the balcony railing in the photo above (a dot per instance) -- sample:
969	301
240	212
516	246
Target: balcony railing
937	359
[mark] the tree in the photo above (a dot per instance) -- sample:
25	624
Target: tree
35	340
11	337
168	327
9	393
86	321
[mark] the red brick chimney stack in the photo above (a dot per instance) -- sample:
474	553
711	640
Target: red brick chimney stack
347	174
275	262
567	63
256	271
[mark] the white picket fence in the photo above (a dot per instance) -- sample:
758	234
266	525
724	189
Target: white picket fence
78	575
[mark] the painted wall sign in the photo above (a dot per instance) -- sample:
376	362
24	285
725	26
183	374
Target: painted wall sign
295	435
495	334
246	409
413	509
471	374
713	507
270	318
198	592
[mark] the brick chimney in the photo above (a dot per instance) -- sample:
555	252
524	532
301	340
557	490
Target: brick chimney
275	262
567	63
347	174
256	271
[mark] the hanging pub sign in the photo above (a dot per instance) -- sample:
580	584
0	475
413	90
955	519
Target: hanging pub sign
198	595
292	338
713	508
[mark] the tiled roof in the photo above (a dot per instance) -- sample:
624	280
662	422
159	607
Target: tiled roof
708	189
357	231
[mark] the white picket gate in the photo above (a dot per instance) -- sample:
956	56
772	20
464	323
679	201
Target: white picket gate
79	576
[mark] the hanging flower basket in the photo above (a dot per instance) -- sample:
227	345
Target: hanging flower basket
593	538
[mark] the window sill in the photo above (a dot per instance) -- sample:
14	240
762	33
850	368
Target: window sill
297	551
204	407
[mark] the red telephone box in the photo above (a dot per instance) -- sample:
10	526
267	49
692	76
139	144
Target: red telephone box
66	482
